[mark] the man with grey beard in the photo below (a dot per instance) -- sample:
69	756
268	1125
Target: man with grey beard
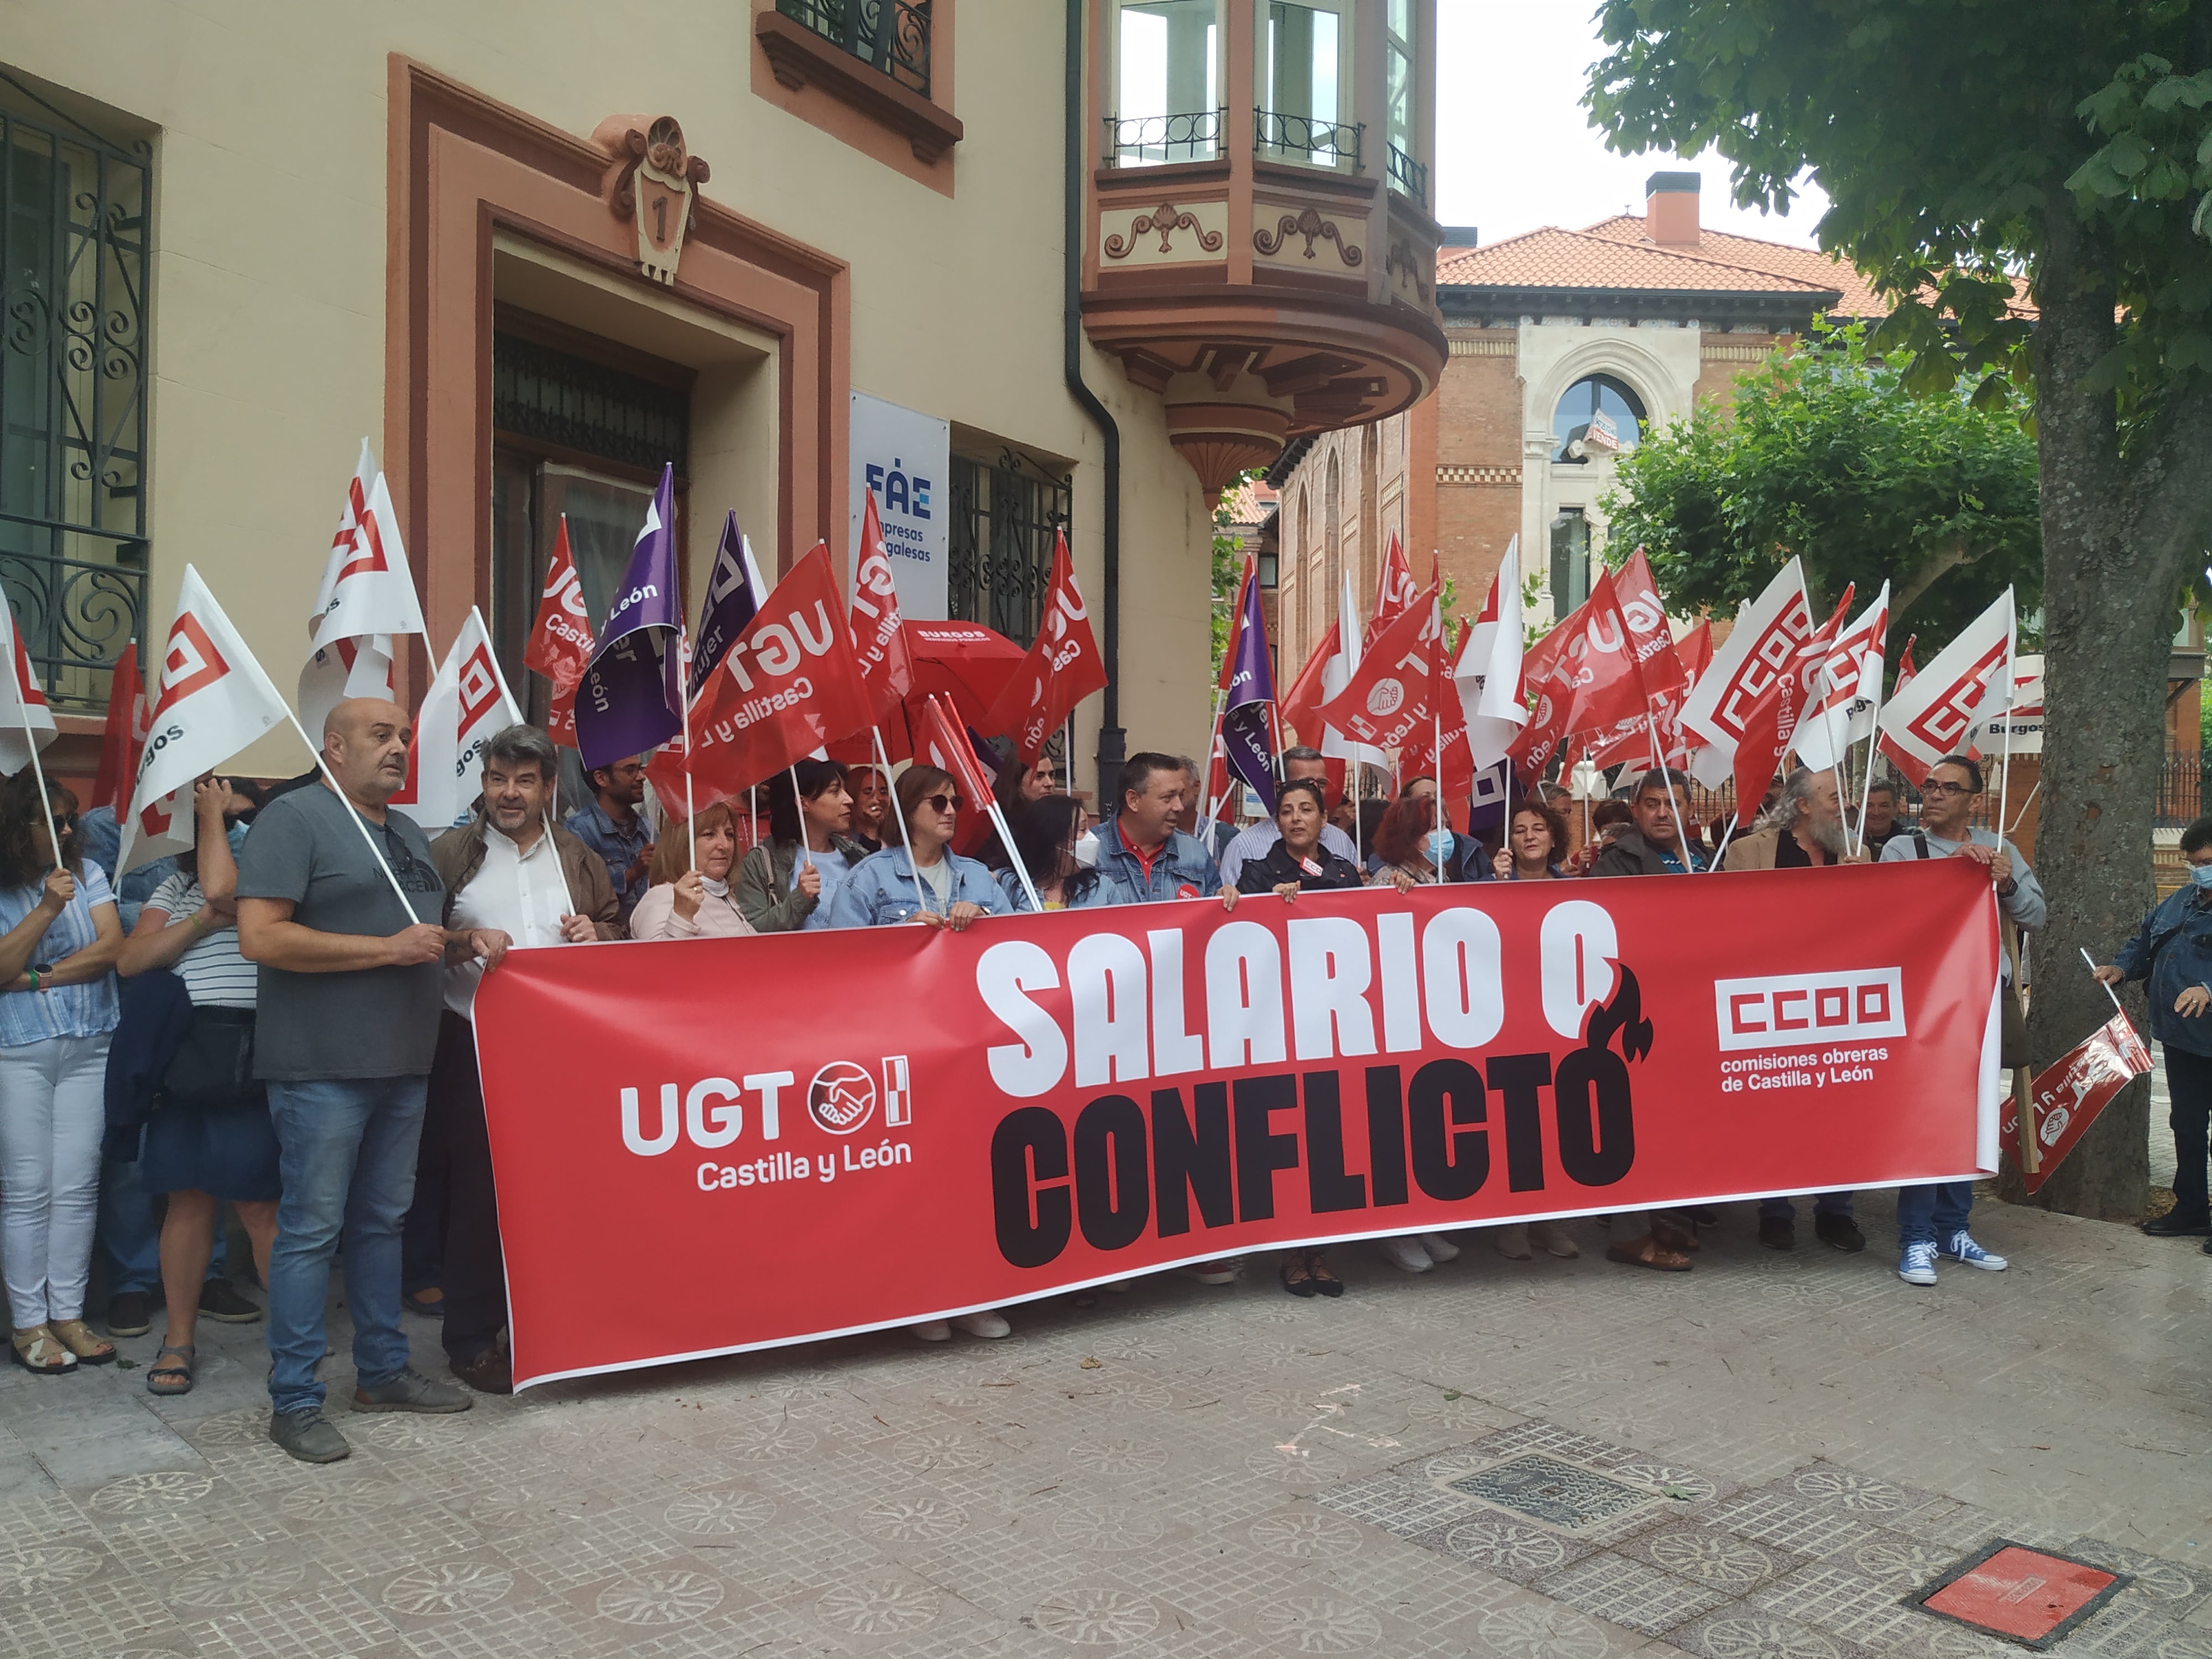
1805	829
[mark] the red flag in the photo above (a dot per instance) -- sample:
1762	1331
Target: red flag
2070	1093
561	639
1608	691
1547	679
1906	764
1389	697
1395	595
878	632
1300	708
787	685
124	736
1772	721
1062	668
941	741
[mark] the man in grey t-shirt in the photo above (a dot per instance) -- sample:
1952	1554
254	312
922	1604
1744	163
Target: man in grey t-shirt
350	988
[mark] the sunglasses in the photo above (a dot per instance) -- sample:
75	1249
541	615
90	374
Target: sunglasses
941	803
65	821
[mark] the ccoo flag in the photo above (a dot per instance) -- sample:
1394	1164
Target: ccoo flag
628	702
468	701
1969	680
27	722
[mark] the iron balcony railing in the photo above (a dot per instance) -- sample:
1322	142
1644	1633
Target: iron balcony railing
1407	176
1137	141
892	35
1299	138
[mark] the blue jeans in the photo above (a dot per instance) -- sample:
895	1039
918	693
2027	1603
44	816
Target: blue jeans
348	1164
130	1233
1931	1212
1823	1204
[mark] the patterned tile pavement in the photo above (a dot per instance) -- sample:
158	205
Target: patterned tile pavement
1550	1460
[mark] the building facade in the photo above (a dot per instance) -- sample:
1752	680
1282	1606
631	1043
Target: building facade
530	264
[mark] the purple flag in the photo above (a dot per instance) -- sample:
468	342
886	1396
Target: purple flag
1247	716
629	699
734	591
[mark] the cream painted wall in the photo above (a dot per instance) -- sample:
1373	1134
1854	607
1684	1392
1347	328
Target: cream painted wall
268	291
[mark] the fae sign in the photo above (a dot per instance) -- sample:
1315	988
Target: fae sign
905	458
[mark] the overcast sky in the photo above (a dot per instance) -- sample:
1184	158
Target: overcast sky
1514	150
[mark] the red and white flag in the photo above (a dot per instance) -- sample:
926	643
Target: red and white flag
1389	695
1395	593
123	736
1768	634
467	702
1439	749
1848	688
1644	613
1487	676
1608	687
2070	1093
1904	762
1062	668
788	686
1773	721
1632	743
941	741
1337	672
1969	680
367	599
559	645
879	629
27	721
1548	677
1310	689
212	700
2024	717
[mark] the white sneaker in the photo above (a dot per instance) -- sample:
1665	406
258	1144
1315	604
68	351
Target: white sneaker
1962	1249
1406	1253
1221	1272
1918	1265
933	1330
987	1324
1439	1248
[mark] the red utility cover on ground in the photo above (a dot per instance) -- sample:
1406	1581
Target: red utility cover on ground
2022	1592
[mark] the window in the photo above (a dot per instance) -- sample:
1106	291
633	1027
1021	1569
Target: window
73	355
1570	573
1167	83
1599	415
1004	517
1305	75
1408	175
891	35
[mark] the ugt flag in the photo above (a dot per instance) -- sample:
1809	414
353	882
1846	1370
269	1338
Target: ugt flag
212	700
1062	668
467	702
629	700
1389	698
879	629
123	736
1248	707
27	723
561	639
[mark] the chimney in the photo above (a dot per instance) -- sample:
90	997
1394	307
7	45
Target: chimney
1670	208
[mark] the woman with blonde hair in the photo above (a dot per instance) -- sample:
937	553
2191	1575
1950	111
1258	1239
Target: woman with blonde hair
691	896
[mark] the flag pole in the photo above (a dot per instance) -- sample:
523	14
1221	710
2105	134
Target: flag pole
1213	743
38	772
799	805
552	818
1873	739
905	840
2004	772
1013	855
360	822
1659	760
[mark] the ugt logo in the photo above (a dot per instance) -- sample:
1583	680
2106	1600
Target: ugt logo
841	1098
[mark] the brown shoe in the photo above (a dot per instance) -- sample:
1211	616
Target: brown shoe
491	1371
1511	1241
1552	1238
1648	1252
1675	1235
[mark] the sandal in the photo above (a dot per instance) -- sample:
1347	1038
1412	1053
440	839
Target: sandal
39	1352
1324	1283
80	1338
1648	1252
1297	1276
167	1379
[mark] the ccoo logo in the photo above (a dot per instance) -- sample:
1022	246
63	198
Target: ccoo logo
841	1098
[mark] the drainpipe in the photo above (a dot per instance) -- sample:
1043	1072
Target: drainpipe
1112	740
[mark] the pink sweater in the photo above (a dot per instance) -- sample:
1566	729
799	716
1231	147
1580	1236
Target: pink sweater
655	917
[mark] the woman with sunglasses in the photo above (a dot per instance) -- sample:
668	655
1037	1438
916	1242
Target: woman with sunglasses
1046	836
59	938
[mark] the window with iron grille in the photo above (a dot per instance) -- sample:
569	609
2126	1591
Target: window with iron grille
73	353
892	35
1004	517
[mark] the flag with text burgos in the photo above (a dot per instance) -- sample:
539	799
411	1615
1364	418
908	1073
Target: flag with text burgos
786	686
1062	668
468	702
1967	682
1044	1102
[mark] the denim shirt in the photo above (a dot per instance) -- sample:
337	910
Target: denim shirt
2174	951
879	890
1100	892
1183	862
618	849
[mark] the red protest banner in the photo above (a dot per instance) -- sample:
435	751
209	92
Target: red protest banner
2070	1092
1048	1101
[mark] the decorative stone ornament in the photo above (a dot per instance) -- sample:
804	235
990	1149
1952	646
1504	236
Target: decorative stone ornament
651	183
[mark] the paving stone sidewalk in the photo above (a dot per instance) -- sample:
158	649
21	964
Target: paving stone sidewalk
1545	1460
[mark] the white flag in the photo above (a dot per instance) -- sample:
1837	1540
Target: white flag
1769	633
348	537
1488	673
211	701
1935	713
27	722
1336	674
2025	716
465	705
1848	686
371	601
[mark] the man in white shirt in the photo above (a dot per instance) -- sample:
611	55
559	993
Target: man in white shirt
1254	842
507	868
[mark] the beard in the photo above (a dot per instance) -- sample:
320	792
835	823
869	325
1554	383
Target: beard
1827	834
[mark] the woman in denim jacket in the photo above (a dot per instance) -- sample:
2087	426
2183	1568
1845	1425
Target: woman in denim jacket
936	887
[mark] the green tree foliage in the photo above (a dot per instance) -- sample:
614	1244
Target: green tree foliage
1826	456
1969	148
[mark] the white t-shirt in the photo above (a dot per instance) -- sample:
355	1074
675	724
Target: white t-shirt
938	876
215	974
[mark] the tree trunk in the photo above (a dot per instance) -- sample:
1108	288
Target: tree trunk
2107	631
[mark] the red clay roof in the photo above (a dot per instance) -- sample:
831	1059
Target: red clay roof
1615	253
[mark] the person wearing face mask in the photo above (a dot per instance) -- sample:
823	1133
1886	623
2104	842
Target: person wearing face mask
1412	848
689	902
781	890
2172	951
1931	1219
1049	836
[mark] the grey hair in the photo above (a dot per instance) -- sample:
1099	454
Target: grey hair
1303	752
1796	791
1190	768
523	744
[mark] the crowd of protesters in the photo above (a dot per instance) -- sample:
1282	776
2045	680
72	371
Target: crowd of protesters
257	1033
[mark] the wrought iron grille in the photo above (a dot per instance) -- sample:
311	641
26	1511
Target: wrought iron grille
1298	137
891	35
1004	514
73	344
541	392
1148	140
1407	176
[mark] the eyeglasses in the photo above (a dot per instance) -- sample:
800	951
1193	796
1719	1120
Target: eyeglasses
943	803
1938	786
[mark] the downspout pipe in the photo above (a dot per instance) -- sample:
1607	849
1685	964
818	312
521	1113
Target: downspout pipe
1112	740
